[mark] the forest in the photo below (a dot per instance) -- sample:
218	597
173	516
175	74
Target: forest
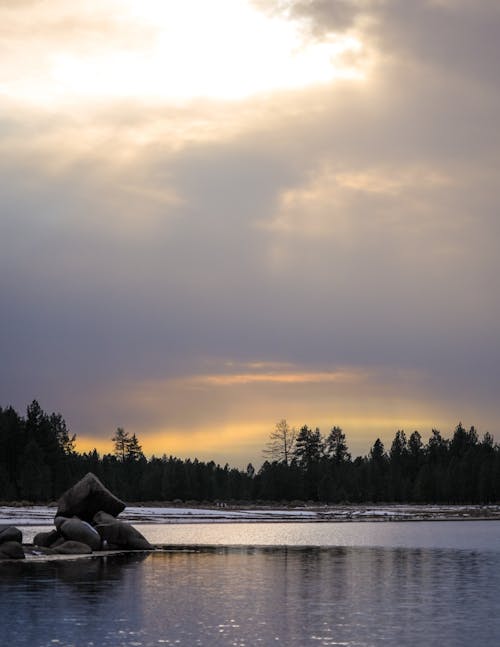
38	461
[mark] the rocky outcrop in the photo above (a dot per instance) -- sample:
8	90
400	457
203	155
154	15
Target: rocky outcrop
86	521
87	497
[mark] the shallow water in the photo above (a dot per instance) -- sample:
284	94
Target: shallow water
356	584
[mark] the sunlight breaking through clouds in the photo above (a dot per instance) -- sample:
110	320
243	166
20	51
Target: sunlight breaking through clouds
225	49
296	185
213	410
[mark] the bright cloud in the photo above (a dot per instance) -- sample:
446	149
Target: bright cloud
178	51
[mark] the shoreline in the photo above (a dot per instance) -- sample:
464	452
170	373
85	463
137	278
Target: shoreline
38	515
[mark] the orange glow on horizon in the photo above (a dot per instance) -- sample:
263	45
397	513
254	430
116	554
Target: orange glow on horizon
228	416
239	443
278	378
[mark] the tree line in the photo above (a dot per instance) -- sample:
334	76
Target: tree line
307	465
38	462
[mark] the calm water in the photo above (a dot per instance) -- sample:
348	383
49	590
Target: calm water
384	593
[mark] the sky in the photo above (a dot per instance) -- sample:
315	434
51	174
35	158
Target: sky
215	215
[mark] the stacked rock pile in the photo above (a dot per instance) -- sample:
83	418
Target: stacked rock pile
85	522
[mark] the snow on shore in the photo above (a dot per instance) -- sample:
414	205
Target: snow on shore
44	515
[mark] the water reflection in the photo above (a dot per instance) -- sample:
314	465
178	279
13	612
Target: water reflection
257	596
52	602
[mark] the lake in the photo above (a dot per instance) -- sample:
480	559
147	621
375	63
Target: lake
359	584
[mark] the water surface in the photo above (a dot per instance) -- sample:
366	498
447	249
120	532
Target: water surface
359	595
479	535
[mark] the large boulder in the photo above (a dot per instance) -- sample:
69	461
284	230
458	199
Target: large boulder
10	533
11	550
119	534
78	530
87	497
73	548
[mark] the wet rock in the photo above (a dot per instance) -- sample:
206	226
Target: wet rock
120	534
87	497
78	530
11	550
10	533
46	539
72	548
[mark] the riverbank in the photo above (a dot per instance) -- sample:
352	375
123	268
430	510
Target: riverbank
44	515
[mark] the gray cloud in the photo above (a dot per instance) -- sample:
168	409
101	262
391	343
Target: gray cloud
322	15
458	37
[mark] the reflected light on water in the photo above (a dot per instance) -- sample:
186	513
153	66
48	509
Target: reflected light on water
444	534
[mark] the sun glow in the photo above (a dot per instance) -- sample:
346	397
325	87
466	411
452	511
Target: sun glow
221	50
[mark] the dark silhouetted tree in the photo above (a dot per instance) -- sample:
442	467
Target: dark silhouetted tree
121	442
280	446
133	450
308	447
336	446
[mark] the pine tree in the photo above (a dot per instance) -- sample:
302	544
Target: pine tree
308	447
133	450
336	447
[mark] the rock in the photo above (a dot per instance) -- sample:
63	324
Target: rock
46	539
78	530
10	533
87	497
102	517
73	548
58	521
58	542
122	535
11	550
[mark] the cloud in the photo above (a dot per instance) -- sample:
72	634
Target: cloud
440	35
322	15
269	378
348	225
